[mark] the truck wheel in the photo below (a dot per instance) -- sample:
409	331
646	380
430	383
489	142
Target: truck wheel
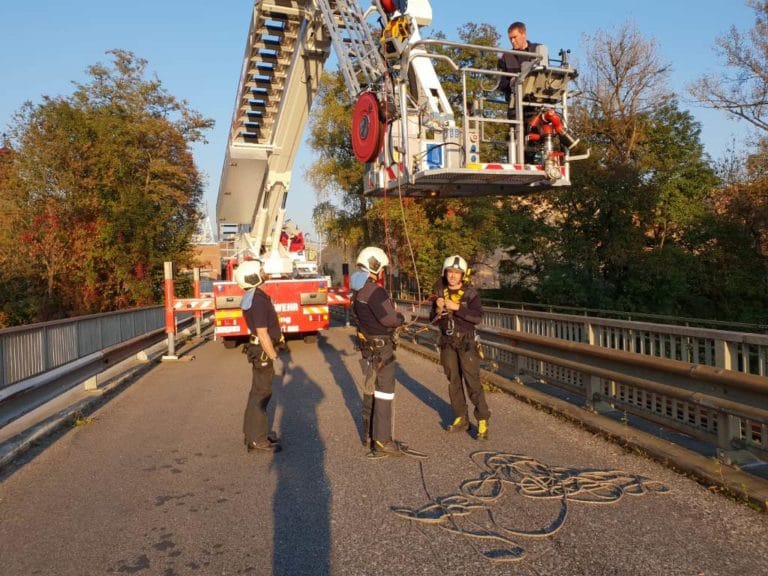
310	338
229	343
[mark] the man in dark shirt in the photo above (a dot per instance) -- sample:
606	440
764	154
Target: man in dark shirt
457	310
513	63
262	321
377	320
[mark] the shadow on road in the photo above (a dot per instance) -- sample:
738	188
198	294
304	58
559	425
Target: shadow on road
345	380
429	398
301	505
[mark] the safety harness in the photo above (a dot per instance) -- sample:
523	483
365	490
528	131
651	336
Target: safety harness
450	327
371	346
450	336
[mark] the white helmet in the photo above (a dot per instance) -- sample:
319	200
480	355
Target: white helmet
248	274
372	259
455	262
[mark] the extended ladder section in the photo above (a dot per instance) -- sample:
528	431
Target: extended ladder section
357	49
284	55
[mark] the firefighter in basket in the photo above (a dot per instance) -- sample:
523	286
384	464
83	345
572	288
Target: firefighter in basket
456	309
262	353
377	321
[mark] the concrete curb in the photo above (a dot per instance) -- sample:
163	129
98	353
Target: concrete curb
709	472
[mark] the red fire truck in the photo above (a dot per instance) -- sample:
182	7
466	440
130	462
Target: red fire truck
298	292
301	305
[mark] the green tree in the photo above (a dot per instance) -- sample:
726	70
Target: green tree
622	236
104	190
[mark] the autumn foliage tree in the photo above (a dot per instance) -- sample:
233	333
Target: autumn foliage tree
101	189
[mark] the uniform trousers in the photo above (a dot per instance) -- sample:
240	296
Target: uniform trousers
380	404
461	364
256	420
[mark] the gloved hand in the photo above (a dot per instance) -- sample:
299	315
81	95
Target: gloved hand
279	366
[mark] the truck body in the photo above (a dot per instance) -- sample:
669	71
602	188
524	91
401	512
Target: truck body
301	305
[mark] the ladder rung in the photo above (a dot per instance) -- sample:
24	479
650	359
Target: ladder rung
273	24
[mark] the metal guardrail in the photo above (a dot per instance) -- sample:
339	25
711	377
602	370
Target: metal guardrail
34	349
738	351
629	316
708	383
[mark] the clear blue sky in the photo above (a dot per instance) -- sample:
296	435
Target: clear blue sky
196	48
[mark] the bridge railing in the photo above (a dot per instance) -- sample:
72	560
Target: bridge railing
739	351
34	349
708	383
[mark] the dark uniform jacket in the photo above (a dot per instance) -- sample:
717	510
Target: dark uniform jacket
470	310
261	314
513	64
375	312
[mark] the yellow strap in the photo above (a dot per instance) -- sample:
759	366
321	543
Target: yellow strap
453	297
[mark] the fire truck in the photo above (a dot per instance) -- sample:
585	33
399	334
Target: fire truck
413	140
301	300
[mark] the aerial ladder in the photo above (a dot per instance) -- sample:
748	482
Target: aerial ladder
404	128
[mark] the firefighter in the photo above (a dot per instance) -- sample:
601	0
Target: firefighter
377	320
262	353
457	310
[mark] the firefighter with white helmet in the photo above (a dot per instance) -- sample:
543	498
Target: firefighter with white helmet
261	350
377	320
457	310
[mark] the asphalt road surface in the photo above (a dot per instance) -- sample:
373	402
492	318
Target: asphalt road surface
157	482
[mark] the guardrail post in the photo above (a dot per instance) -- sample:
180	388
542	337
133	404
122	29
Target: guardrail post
196	288
728	429
724	354
170	321
593	388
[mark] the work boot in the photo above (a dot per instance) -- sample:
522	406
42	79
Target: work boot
482	429
264	446
388	448
272	437
460	424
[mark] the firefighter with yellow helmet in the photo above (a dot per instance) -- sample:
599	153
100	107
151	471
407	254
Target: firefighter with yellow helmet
456	309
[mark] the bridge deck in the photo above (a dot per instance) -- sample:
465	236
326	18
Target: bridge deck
158	482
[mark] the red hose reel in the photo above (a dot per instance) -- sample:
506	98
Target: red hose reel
368	128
